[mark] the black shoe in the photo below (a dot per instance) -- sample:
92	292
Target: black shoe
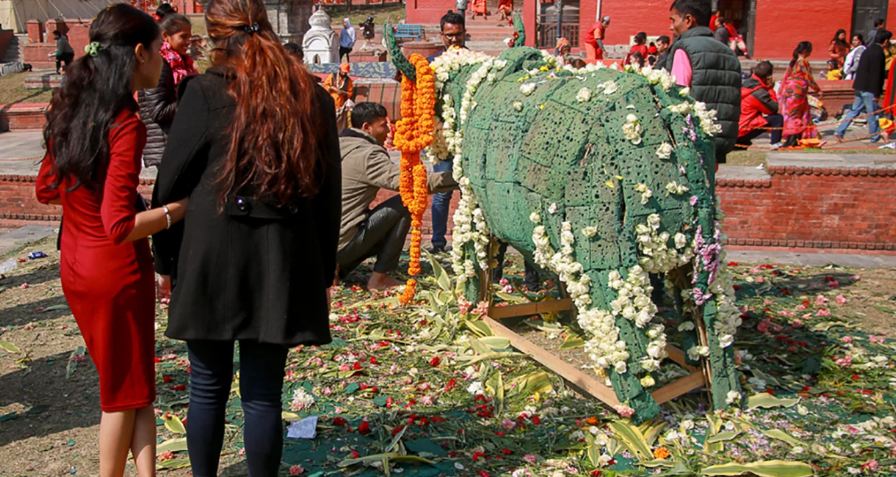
437	249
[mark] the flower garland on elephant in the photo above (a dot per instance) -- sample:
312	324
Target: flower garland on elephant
413	133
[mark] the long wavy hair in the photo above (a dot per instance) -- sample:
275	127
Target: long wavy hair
273	145
802	48
838	41
95	90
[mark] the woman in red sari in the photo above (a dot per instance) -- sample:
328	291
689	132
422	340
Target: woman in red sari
480	7
794	94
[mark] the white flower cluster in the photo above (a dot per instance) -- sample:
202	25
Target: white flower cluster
633	303
657	256
696	352
603	346
608	87
632	129
453	60
664	151
645	192
584	95
707	119
301	400
728	316
658	76
675	188
588	68
527	88
733	397
682	108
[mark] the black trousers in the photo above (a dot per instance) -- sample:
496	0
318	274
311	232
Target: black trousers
64	59
531	277
382	235
775	121
344	52
261	386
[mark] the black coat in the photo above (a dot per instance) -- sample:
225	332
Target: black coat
871	73
251	271
157	107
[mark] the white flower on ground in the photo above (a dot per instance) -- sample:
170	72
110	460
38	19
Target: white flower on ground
301	400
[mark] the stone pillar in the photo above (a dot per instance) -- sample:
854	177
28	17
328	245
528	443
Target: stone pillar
289	18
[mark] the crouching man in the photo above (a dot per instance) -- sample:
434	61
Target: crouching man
367	168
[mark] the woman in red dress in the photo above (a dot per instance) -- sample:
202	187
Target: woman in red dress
92	166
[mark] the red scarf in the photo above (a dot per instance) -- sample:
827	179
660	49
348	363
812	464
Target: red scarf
181	65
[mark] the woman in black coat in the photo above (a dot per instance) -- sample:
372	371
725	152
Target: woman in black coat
254	146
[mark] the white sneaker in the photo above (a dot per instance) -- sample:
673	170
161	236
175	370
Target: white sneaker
891	145
776	146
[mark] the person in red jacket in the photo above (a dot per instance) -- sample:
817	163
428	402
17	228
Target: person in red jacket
759	108
639	51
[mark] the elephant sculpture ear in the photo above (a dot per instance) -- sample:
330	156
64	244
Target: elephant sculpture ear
398	59
520	34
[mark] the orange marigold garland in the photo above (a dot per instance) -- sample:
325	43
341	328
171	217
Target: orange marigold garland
413	133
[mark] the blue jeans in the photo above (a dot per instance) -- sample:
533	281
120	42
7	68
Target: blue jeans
261	382
440	204
864	102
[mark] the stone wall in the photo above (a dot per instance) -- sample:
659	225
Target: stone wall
807	201
41	42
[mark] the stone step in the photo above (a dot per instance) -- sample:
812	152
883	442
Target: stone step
43	78
22	236
22	116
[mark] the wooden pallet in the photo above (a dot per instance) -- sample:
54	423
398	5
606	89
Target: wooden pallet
589	383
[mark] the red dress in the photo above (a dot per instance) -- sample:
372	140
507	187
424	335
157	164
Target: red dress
109	283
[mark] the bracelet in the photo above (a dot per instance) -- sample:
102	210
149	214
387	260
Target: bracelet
167	216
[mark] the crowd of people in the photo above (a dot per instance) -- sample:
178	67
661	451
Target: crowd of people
263	198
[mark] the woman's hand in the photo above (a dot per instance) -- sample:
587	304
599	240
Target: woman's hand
163	288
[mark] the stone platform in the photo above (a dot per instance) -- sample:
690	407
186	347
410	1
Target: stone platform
812	200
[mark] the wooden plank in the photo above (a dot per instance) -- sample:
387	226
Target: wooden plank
577	377
529	309
677	388
677	356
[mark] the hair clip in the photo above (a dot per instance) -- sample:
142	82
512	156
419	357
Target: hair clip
93	48
253	28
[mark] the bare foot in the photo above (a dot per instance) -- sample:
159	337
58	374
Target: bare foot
381	281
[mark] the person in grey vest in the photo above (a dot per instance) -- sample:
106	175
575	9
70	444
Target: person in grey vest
709	68
872	33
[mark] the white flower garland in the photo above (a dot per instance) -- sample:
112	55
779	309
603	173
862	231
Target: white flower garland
634	304
603	346
469	220
657	257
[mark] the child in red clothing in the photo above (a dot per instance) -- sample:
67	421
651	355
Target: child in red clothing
92	166
639	51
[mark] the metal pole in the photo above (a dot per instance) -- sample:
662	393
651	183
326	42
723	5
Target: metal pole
559	20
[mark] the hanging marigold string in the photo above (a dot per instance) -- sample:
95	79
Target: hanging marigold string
413	133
